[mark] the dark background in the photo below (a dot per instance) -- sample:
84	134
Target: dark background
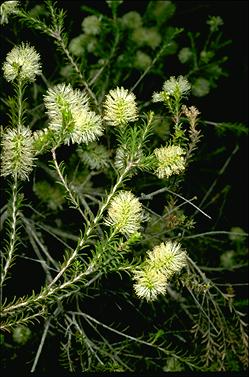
227	103
231	97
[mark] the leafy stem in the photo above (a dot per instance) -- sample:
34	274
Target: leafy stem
66	186
12	232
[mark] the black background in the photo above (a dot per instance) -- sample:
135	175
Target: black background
227	103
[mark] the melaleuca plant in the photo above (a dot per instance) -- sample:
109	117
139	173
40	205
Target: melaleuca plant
83	157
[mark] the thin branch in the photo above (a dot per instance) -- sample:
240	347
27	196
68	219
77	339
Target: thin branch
215	232
149	196
38	353
13	232
87	316
67	188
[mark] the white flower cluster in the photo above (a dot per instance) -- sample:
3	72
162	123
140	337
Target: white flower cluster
17	153
131	20
146	36
120	107
170	161
125	213
162	263
185	54
70	114
82	43
180	84
91	25
95	156
142	60
23	63
175	87
200	87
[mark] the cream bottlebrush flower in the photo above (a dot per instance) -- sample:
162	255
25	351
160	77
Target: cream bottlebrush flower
82	43
63	97
153	38
142	60
163	9
21	334
214	23
200	87
77	45
6	9
169	258
23	63
149	283
170	161
120	107
69	113
125	213
174	85
139	36
17	153
185	55
161	264
87	127
146	36
131	20
160	97
91	25
94	156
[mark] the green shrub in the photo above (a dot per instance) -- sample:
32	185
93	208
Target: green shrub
96	220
